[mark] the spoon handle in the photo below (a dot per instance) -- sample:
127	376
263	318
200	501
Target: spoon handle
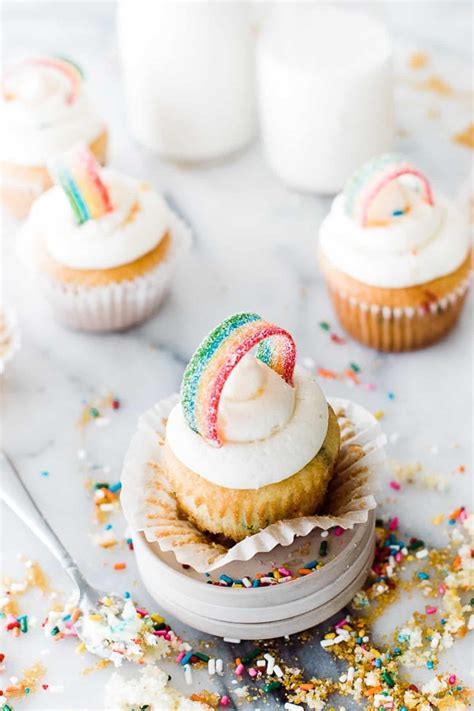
15	494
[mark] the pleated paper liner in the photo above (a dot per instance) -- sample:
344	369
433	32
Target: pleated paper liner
149	504
397	320
345	556
114	306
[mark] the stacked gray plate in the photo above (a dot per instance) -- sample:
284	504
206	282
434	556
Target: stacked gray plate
263	612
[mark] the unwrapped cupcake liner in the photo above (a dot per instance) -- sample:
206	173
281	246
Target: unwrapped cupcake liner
396	329
150	506
120	305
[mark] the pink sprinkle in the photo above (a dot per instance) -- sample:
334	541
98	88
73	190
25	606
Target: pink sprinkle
369	386
393	525
398	557
142	612
239	669
160	633
431	610
463	515
452	679
338	531
252	672
337	339
442	589
395	485
167	636
225	701
284	571
179	657
341	623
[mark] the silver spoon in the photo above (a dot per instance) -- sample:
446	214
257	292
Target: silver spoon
104	640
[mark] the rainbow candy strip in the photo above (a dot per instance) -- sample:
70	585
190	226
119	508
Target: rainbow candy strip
77	172
68	68
364	186
217	356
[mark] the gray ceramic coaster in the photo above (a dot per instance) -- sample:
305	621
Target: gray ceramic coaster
246	613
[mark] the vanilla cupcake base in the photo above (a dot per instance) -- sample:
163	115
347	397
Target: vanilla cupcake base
149	503
22	184
396	320
238	513
109	300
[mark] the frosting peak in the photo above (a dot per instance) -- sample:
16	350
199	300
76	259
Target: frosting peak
256	402
424	244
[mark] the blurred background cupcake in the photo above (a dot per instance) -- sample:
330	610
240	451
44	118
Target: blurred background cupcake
396	257
103	245
45	112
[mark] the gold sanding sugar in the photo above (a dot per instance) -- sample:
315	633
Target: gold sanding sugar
94	409
36	577
30	680
207	697
466	137
418	60
436	85
100	664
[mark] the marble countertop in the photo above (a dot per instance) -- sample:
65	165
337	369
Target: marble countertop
254	250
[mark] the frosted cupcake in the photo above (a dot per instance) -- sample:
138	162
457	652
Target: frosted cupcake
45	112
253	439
396	257
103	245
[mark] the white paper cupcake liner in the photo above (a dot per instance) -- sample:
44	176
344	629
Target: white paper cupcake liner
149	505
115	307
9	336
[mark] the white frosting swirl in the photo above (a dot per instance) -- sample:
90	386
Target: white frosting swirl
37	121
424	244
269	446
137	224
255	403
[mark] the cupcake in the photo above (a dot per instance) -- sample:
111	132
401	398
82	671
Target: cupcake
252	440
396	257
45	112
104	246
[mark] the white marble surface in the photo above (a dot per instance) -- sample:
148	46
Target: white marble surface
255	249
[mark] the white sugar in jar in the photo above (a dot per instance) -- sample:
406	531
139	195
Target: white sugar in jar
325	93
189	76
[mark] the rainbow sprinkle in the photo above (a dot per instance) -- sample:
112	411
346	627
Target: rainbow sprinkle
60	64
364	186
216	357
77	172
